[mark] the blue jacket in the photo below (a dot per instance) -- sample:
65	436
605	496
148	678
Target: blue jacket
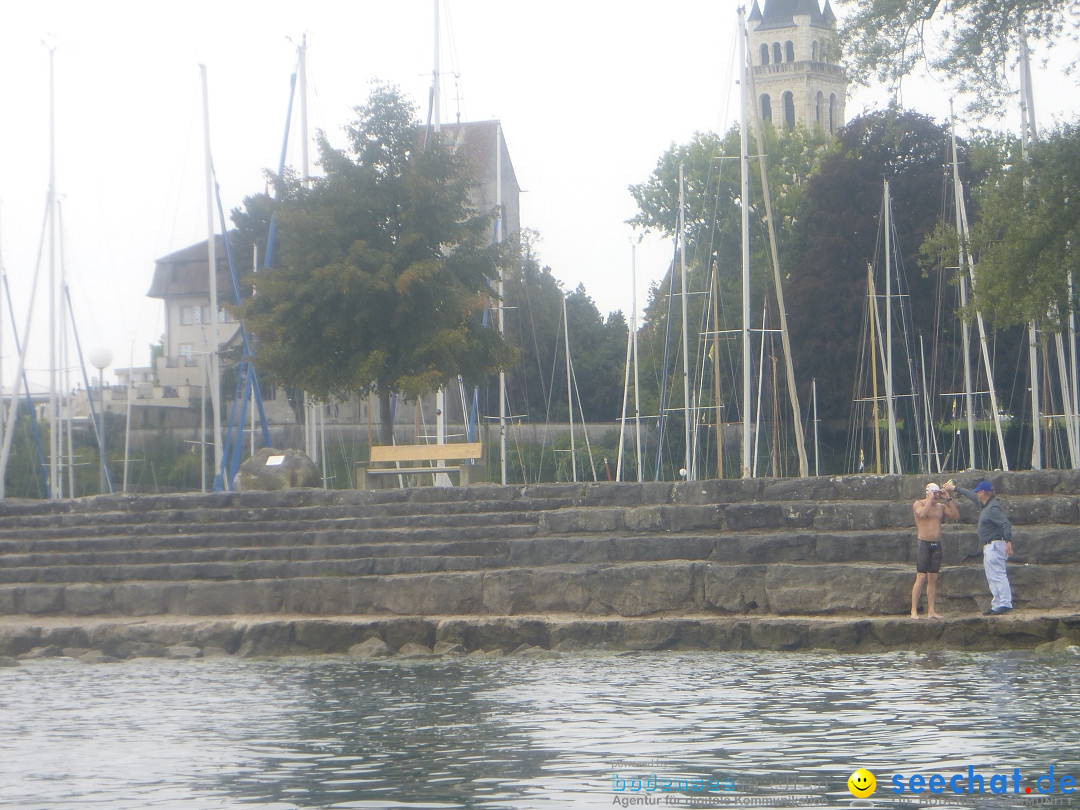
993	525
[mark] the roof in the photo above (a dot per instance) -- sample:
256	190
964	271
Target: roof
185	272
782	13
476	140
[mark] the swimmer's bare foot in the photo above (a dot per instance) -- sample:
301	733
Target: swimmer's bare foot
914	614
936	616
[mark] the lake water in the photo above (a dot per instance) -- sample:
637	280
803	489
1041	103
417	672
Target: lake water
591	730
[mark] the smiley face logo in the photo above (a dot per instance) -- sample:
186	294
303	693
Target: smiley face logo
862	783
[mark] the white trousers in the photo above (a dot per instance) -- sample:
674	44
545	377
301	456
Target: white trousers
994	566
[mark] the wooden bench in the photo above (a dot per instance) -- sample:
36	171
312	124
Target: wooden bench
416	455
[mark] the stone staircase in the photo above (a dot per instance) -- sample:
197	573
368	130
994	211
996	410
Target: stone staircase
775	563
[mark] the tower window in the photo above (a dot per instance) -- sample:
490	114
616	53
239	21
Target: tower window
764	54
766	108
778	57
789	51
813	51
789	111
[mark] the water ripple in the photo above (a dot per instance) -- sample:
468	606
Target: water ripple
514	732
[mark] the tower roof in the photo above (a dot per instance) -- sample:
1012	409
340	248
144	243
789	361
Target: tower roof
755	13
782	13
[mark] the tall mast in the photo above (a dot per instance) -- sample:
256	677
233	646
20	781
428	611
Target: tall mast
502	310
54	407
778	287
744	202
211	253
966	330
637	387
890	403
1027	133
311	425
436	112
967	274
569	391
687	465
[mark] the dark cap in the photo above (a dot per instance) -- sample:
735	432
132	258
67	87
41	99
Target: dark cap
984	486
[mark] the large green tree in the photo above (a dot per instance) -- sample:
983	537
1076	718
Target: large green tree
974	43
383	268
1028	228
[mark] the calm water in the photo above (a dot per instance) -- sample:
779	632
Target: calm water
523	733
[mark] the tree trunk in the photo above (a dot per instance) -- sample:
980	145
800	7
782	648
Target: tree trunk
386	420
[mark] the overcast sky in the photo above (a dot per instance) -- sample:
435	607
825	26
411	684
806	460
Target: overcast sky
590	94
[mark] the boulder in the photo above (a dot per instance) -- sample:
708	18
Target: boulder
372	648
414	650
271	469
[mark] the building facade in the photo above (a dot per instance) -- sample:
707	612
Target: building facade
794	55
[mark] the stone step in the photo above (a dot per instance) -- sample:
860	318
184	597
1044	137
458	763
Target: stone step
360	527
56	550
238	520
622	590
246	636
217	557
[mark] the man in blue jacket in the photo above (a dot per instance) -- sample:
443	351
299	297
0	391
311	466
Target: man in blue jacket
995	532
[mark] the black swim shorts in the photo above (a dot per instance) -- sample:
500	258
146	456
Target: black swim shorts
928	557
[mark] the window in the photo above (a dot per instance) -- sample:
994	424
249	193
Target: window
764	54
187	316
186	351
766	108
789	111
813	51
777	56
789	51
819	109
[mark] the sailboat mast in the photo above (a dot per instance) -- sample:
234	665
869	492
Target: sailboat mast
1027	132
569	391
688	472
637	387
969	269
744	204
211	253
890	403
501	284
716	372
54	409
969	407
875	408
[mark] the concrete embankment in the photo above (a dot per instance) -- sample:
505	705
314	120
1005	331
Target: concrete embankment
790	564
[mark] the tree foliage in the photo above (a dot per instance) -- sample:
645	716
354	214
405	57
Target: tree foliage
972	42
1027	232
534	326
383	268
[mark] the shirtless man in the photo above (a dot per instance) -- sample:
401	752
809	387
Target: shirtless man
929	513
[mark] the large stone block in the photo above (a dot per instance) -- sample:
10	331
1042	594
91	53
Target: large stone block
836	588
549	589
736	588
647	588
576	519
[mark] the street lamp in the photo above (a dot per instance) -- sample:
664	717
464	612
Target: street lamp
100	358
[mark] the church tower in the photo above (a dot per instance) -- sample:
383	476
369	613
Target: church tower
794	57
